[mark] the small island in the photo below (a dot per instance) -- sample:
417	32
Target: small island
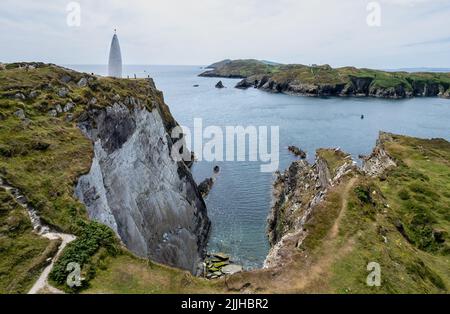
323	80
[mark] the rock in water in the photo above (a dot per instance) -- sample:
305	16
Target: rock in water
220	85
165	220
115	59
297	152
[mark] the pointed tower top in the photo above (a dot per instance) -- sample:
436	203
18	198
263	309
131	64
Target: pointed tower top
115	58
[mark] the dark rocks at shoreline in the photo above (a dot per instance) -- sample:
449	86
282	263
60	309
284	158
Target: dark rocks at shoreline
244	84
218	265
220	85
297	152
356	87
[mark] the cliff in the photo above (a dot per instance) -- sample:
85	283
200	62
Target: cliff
297	192
331	222
323	80
134	186
80	148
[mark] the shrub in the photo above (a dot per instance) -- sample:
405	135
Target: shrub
93	237
363	194
404	194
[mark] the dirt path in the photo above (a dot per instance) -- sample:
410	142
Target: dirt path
42	283
44	231
315	273
344	205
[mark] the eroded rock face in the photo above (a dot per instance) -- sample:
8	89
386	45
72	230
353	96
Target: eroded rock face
357	86
137	189
297	192
377	163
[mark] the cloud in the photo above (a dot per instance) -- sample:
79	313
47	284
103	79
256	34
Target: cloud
203	31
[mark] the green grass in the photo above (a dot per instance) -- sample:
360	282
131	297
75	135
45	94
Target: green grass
404	226
326	75
334	159
44	156
94	243
127	274
23	253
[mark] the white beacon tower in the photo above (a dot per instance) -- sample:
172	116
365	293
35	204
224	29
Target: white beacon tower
115	58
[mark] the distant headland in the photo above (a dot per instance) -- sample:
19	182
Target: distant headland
323	80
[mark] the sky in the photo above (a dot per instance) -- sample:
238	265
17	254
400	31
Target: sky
410	33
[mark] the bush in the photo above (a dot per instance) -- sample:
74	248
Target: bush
93	237
404	194
363	194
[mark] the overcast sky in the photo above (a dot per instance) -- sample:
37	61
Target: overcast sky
413	33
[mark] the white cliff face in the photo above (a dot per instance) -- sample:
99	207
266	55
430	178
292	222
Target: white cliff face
115	59
136	188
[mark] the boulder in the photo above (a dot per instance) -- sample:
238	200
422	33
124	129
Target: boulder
297	152
63	92
221	256
220	85
20	96
58	108
216	169
66	79
69	106
33	94
231	269
53	113
82	82
20	114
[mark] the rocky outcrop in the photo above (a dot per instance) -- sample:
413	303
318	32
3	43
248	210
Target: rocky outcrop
137	189
206	186
379	161
220	85
297	192
297	152
218	265
323	80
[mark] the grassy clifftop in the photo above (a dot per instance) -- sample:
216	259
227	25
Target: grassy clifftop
399	219
43	153
324	80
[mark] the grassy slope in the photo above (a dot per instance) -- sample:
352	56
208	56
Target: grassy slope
412	258
43	157
358	223
129	274
324	74
401	221
416	192
23	254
